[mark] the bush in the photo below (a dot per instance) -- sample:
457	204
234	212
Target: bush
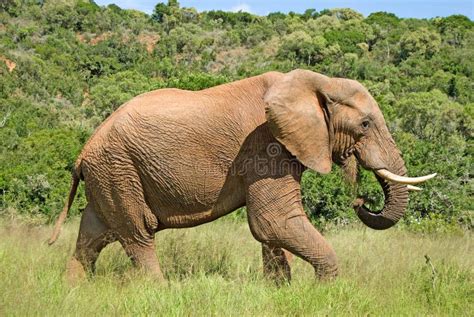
35	177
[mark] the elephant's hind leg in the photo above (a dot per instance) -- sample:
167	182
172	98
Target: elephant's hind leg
94	235
136	233
276	263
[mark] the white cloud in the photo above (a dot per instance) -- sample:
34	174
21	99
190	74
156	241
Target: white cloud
241	7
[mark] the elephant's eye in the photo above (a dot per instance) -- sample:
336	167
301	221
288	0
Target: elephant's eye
365	124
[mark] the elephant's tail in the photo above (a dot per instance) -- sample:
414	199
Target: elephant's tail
62	216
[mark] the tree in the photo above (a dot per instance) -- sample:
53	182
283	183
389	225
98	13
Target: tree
431	115
346	14
310	14
173	3
454	28
160	11
423	42
166	11
303	47
383	19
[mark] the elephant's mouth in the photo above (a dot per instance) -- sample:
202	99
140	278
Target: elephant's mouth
349	163
350	169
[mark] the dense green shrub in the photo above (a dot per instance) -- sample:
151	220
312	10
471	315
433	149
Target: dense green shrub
111	91
35	175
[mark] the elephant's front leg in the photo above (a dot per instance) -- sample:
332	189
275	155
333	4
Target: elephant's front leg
276	217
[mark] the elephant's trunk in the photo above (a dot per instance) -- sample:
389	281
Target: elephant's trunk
396	201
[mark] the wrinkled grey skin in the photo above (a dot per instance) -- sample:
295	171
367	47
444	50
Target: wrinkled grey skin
175	159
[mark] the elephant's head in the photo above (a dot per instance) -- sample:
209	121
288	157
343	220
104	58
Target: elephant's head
321	120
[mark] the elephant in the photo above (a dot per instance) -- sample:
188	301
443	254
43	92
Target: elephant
173	158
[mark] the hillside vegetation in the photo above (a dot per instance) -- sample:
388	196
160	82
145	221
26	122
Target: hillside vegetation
66	65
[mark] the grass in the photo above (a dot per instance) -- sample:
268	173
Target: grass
215	269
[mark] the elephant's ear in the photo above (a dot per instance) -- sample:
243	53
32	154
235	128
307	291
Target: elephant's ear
296	117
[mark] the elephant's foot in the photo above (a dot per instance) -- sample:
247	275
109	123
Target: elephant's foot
145	259
152	273
75	271
328	270
276	264
151	270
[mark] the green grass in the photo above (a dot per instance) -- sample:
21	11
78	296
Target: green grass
215	269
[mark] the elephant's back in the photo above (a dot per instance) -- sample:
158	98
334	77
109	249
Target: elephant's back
121	120
236	107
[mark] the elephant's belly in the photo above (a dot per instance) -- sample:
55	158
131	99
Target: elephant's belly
170	219
180	205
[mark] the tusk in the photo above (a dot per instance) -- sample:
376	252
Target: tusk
402	179
414	188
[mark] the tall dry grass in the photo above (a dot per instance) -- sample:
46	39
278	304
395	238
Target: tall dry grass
215	269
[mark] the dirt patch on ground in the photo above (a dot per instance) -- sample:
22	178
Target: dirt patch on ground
11	65
93	39
228	58
99	38
81	38
149	40
86	98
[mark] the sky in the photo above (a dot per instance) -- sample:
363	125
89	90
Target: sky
401	8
